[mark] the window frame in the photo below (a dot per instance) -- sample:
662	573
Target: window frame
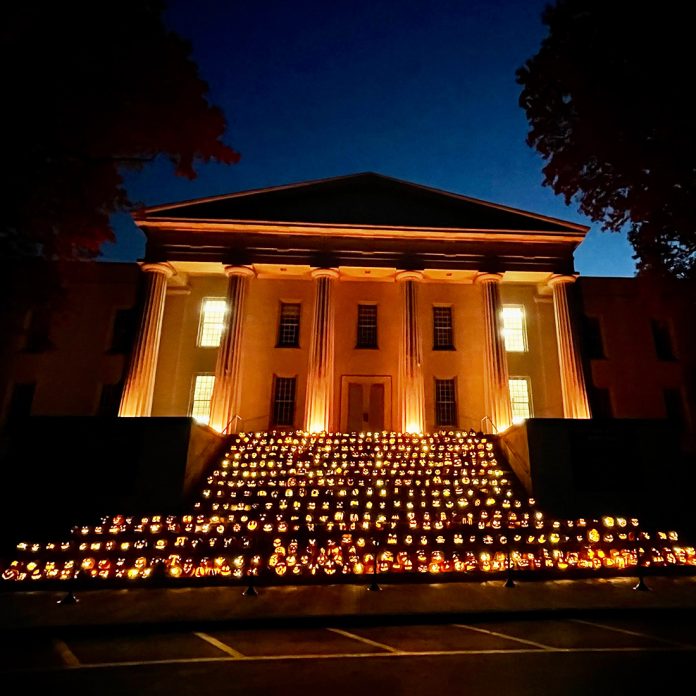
279	342
274	401
523	331
438	403
122	331
530	401
364	346
444	346
193	400
663	338
593	335
202	322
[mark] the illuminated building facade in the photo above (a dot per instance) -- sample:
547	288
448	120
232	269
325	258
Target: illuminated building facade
357	334
352	304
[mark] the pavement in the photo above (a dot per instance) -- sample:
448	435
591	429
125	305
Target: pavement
178	608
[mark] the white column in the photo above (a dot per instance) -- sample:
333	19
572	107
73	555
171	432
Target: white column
320	375
225	400
411	356
575	402
140	382
496	381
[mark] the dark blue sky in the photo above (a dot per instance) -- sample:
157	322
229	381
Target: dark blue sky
419	90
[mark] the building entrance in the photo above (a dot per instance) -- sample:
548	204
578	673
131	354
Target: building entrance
365	404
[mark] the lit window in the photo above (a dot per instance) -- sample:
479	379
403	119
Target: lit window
514	332
445	402
212	322
519	399
289	325
442	328
284	401
202	393
367	326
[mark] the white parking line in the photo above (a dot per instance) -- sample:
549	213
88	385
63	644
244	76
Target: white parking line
219	645
348	656
638	634
367	641
66	654
507	637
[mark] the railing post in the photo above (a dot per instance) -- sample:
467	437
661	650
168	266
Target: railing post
70	597
250	590
374	586
509	581
641	586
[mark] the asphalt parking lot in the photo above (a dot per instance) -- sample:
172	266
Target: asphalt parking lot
565	656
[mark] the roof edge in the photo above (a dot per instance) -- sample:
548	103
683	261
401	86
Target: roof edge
143	212
251	192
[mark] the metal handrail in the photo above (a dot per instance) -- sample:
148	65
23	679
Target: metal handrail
234	418
243	421
490	420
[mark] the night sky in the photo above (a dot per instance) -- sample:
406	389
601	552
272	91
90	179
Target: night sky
423	91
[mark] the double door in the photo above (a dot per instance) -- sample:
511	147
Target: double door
366	404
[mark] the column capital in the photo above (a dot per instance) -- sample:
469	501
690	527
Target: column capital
561	279
408	275
244	271
317	273
160	267
483	278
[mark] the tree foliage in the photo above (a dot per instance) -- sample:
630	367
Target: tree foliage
91	89
609	101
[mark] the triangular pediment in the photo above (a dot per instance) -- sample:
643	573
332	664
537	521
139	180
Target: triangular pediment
366	200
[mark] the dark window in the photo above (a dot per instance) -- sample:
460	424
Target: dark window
445	402
289	326
367	326
21	402
674	408
600	402
38	331
123	332
592	334
442	328
110	400
284	401
663	339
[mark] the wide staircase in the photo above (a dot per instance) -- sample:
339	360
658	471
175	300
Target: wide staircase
291	507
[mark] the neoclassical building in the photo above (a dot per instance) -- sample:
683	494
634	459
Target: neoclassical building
358	303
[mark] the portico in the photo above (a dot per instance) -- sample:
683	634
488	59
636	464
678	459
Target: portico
330	319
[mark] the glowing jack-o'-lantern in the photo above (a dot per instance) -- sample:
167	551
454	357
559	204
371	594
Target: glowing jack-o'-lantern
11	573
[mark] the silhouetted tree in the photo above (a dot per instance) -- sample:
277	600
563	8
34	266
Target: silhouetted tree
92	88
609	99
